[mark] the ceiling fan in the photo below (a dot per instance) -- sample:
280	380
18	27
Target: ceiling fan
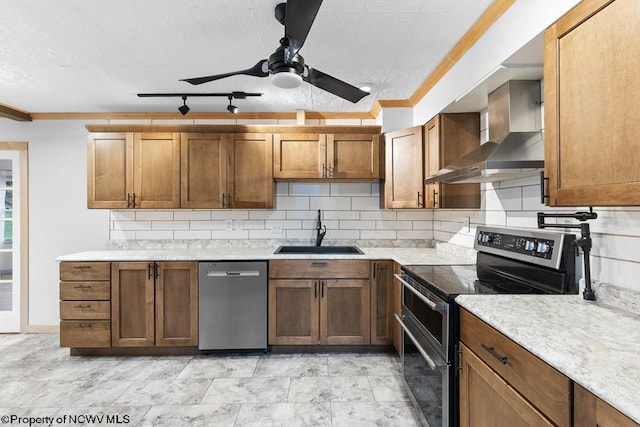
286	65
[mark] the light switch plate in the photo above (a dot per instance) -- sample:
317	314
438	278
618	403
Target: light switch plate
228	225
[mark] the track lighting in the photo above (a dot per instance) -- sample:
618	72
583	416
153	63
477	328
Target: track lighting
184	109
232	108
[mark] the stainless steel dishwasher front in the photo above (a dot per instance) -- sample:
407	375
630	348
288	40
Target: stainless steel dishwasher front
232	305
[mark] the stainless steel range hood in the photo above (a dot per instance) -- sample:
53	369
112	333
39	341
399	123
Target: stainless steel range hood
516	148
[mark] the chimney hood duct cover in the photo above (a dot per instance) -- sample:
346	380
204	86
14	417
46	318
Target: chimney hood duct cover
516	148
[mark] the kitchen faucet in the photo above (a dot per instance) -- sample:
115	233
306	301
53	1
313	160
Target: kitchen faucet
320	234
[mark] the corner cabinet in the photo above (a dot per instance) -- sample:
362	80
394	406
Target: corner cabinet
319	302
133	170
447	137
334	156
501	383
592	120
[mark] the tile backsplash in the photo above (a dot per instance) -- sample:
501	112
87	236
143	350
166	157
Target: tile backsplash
350	211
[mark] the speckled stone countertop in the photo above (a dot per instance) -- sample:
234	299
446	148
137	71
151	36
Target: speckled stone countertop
405	256
596	345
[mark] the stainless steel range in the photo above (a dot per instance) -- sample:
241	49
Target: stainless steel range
508	261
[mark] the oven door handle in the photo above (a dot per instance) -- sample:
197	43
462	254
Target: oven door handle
424	354
432	304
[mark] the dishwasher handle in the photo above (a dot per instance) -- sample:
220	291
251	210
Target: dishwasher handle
245	273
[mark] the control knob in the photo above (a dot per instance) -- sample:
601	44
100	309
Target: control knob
529	245
543	248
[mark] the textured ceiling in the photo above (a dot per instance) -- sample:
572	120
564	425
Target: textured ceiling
95	56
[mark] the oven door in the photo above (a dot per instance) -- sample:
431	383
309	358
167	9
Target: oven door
427	375
429	311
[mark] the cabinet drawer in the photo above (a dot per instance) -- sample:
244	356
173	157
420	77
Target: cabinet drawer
85	310
319	269
85	291
91	333
546	388
85	271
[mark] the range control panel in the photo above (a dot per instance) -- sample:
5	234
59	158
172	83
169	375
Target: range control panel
539	247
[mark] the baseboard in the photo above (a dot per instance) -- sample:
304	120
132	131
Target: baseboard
42	329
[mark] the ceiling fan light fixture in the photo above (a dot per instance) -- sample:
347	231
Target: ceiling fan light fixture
232	108
286	80
184	108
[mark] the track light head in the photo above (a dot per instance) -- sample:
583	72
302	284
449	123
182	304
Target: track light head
184	108
232	108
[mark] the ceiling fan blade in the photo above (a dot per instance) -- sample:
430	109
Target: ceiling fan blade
257	70
331	84
298	20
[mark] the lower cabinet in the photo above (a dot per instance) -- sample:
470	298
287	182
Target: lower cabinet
382	302
397	309
591	411
501	383
85	306
154	304
319	302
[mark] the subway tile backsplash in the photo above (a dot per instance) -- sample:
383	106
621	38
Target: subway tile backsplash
350	211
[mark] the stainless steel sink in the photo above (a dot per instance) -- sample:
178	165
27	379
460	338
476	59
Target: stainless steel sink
337	250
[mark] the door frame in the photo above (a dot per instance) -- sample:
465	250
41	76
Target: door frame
22	149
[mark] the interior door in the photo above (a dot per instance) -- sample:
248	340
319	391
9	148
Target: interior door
10	241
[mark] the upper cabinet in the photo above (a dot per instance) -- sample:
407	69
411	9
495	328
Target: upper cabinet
133	170
415	153
337	156
403	187
592	134
447	138
215	167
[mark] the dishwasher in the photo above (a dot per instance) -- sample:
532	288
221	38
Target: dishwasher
232	305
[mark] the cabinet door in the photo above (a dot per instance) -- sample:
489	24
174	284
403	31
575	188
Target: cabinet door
487	400
299	156
592	120
344	311
176	303
353	156
447	138
250	171
403	187
204	170
132	304
382	302
591	411
109	170
156	177
293	312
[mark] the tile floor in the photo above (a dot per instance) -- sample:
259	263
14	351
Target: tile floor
40	379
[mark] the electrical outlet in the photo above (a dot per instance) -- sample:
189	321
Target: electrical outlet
228	225
276	228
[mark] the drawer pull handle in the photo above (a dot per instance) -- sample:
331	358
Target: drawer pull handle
82	267
318	264
492	351
82	306
82	287
83	326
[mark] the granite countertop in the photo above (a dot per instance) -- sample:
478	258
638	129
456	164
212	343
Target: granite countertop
405	256
596	345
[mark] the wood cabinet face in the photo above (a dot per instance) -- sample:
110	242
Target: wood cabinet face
109	169
403	169
397	309
204	170
299	155
132	308
176	304
293	311
591	411
157	170
382	304
592	123
250	171
344	311
487	400
353	156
